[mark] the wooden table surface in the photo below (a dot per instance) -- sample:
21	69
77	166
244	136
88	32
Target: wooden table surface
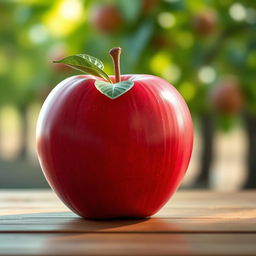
34	222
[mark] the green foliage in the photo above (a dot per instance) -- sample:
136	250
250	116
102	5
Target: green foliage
130	9
160	37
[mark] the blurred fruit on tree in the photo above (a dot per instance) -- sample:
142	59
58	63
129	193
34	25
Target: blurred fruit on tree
205	22
227	97
149	5
106	18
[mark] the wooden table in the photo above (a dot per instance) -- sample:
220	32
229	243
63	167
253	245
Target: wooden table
192	223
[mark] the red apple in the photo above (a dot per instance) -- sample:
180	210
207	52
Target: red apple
163	41
227	97
121	157
106	18
148	5
205	23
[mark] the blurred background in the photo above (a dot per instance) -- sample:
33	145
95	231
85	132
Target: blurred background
206	49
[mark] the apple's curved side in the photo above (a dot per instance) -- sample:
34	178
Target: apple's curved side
114	158
175	132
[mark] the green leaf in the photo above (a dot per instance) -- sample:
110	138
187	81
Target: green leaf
85	63
113	91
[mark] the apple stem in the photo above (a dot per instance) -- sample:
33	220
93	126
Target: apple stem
115	54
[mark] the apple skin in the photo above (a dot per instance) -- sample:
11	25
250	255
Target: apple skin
120	158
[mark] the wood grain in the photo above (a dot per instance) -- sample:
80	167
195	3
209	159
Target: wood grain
67	223
128	244
192	223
